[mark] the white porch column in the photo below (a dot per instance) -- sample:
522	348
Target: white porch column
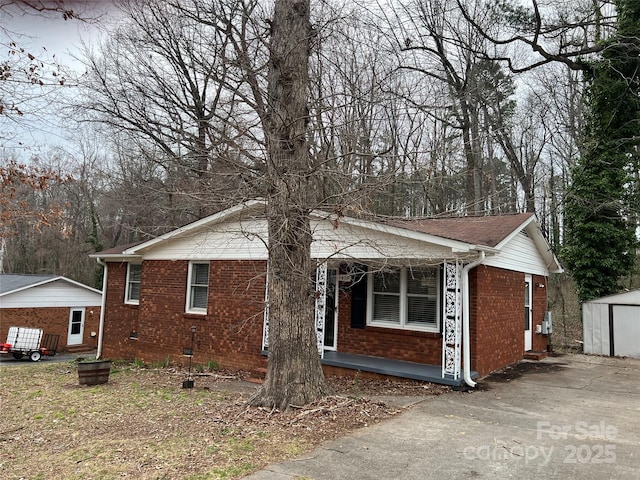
265	325
452	329
321	305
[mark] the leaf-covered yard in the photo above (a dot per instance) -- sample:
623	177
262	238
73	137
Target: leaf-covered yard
143	425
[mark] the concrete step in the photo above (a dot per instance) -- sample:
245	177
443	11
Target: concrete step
533	355
257	375
83	348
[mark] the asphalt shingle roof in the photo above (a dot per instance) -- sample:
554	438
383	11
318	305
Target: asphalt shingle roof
487	231
12	281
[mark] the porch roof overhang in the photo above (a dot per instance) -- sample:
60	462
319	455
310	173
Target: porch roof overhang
348	238
455	246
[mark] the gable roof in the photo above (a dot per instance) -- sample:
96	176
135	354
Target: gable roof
631	297
488	231
12	282
458	234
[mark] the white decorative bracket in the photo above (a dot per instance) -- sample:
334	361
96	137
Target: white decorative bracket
452	330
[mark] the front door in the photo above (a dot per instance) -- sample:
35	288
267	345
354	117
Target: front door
331	310
528	334
76	326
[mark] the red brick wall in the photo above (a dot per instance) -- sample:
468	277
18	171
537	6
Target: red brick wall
497	317
120	319
408	345
540	342
53	320
230	333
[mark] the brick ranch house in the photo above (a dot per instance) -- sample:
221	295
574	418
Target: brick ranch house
57	305
443	300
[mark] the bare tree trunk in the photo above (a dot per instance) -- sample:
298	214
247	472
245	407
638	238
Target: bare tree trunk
294	374
470	135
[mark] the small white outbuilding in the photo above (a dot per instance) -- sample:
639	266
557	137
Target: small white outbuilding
611	325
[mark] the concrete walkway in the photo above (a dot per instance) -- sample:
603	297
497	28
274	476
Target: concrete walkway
565	417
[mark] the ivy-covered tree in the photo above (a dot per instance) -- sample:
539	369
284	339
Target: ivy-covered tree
600	216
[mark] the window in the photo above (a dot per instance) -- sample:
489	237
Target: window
134	274
198	290
386	297
405	298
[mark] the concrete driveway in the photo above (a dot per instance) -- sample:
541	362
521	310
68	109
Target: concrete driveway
566	417
6	359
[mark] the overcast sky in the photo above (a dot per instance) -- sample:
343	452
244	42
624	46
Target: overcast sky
48	36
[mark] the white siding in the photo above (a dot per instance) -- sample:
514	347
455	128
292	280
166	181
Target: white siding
233	240
247	241
353	242
520	255
53	294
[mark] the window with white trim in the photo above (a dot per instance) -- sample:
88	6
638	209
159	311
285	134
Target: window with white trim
198	288
405	298
134	277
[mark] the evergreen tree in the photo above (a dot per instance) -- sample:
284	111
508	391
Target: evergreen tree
600	237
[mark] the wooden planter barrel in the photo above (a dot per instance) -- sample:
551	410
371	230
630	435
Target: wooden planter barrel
94	373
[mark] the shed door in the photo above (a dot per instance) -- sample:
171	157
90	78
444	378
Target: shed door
528	334
626	330
76	326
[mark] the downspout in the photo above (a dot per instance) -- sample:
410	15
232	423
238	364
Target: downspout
102	307
466	343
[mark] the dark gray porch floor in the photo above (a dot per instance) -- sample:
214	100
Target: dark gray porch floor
396	368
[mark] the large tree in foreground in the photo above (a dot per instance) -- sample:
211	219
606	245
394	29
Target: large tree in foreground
294	375
600	239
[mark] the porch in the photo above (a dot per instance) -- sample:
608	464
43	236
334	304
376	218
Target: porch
394	368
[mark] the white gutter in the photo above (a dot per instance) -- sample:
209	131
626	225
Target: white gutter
102	306
466	344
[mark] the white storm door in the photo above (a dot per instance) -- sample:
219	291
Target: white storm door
76	326
528	334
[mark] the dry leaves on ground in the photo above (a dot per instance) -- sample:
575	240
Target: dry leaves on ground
143	425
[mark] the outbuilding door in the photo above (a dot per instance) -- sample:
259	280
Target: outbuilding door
626	330
528	334
76	326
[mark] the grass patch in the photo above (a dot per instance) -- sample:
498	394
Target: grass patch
143	425
139	363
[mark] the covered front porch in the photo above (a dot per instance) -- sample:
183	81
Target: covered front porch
394	368
348	337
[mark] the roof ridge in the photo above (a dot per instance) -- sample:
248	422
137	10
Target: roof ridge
458	217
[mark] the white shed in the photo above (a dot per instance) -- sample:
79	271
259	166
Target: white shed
611	325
